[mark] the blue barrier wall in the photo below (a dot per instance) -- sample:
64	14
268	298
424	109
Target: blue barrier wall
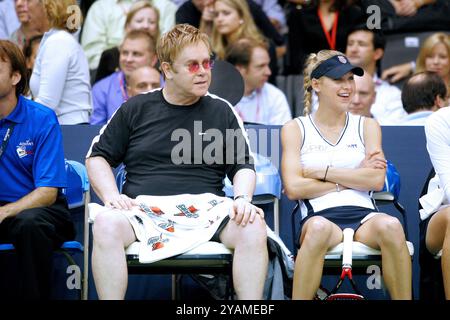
404	146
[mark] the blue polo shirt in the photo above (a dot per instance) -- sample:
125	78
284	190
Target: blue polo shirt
34	156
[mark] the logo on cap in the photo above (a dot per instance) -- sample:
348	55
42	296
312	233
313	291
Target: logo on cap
342	59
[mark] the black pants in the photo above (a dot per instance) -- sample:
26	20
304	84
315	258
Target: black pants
35	233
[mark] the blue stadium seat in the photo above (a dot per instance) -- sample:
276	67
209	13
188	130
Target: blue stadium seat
268	187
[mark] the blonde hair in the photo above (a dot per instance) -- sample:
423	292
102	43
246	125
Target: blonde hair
312	62
138	6
247	29
62	14
174	41
427	48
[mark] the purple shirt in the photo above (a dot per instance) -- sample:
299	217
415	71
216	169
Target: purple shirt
108	95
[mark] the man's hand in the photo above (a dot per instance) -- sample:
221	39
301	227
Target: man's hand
122	202
244	212
374	160
5	212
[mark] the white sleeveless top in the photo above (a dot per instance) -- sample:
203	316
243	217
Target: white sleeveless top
348	152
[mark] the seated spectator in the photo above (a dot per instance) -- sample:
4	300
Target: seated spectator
317	25
435	224
142	16
105	21
33	214
262	102
364	97
331	162
140	134
200	12
232	22
60	78
143	79
365	49
192	11
399	16
8	19
422	94
434	55
137	50
33	21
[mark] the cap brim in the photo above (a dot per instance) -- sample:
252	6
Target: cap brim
341	70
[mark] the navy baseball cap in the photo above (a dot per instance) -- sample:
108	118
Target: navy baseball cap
335	68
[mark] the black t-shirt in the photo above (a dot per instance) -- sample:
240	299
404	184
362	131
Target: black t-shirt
169	149
307	36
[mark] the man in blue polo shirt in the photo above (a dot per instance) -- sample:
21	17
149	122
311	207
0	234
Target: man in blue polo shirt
33	215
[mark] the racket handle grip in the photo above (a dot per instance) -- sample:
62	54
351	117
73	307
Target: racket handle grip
347	250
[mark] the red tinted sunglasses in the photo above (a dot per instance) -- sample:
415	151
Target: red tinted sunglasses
194	66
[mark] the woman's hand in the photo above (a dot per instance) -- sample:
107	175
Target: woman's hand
374	160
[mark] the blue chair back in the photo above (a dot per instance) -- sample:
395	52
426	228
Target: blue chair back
77	184
121	177
268	181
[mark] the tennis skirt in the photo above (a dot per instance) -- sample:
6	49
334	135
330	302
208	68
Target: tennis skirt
344	217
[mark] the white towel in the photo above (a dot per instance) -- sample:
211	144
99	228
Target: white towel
170	225
433	200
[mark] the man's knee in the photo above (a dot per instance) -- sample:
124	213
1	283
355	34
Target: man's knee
109	227
254	233
259	226
28	221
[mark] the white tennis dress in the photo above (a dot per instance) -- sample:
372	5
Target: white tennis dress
348	152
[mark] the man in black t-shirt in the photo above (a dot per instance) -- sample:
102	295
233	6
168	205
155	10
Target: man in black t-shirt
176	140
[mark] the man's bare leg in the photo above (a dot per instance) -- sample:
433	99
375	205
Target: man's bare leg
112	234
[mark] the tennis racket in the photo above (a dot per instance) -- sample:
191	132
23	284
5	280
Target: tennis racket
346	272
